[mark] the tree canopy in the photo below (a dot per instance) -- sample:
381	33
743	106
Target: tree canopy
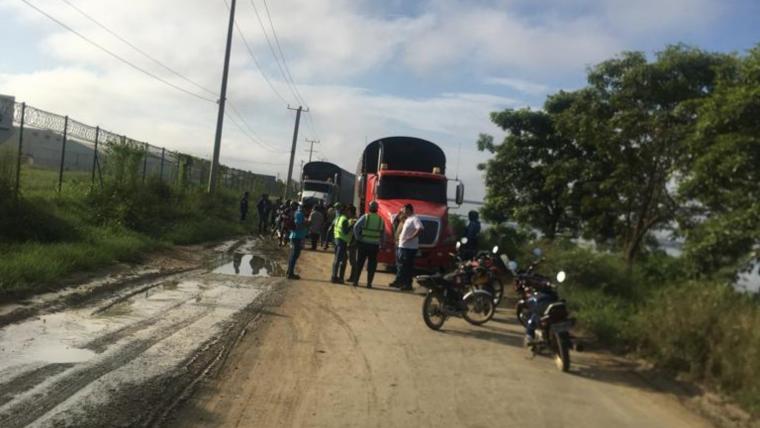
645	145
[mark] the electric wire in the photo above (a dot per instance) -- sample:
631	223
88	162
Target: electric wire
256	60
138	50
164	66
116	56
282	55
277	60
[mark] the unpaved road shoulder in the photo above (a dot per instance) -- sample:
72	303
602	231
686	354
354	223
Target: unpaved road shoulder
333	356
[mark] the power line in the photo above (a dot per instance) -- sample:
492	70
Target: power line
160	63
282	55
137	49
114	55
276	57
256	61
253	135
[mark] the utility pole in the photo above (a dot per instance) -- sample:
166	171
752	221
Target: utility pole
293	149
311	147
222	101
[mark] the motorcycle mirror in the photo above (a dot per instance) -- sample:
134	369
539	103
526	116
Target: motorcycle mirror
512	265
561	276
495	249
538	252
464	240
459	244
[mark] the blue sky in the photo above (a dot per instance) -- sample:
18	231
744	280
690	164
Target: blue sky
432	69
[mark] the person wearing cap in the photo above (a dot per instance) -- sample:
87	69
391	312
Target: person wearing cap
369	235
409	243
297	235
341	233
352	243
398	224
327	234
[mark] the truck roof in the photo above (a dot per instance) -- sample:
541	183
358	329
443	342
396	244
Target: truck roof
403	154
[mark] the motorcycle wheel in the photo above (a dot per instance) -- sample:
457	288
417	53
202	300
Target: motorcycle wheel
498	291
432	310
479	309
562	351
523	314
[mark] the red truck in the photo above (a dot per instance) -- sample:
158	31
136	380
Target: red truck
396	171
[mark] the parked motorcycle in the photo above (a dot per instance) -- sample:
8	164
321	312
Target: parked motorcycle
553	329
487	269
453	294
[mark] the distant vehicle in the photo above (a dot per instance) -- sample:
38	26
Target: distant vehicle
326	182
396	171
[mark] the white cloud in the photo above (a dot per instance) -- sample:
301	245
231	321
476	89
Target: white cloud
331	44
520	85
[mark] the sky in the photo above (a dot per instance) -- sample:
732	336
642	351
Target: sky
366	69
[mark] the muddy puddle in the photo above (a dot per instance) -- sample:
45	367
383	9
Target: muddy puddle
251	265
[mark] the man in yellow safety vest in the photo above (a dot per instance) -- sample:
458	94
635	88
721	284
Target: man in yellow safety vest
369	232
342	234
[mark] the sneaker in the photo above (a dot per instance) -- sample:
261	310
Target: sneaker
293	276
369	285
394	284
355	284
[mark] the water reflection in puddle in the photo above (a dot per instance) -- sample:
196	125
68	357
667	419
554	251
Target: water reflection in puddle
252	265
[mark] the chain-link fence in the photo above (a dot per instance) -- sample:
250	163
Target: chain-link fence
48	152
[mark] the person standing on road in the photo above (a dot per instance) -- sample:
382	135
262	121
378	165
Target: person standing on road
297	235
398	224
327	234
351	214
244	207
472	233
370	236
316	222
409	243
264	206
341	234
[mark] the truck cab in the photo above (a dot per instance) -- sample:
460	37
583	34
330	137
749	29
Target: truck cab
397	171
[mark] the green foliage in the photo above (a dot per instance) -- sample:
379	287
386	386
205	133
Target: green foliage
723	176
527	180
709	331
7	172
600	159
458	224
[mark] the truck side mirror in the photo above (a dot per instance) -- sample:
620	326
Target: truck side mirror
460	193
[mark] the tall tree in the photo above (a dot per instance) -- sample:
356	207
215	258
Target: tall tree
527	178
722	181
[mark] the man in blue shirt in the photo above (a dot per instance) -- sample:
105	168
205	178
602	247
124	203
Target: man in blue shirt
297	235
472	233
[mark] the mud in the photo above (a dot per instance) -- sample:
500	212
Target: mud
127	357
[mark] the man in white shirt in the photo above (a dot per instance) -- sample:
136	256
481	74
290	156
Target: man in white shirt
409	243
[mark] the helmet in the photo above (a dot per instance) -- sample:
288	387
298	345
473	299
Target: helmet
373	206
337	205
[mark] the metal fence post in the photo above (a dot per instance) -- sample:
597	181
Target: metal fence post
63	152
161	168
95	154
18	156
145	161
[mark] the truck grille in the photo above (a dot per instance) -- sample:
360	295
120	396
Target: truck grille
429	236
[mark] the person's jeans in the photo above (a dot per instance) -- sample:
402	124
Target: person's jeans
314	240
339	262
295	251
537	304
365	252
262	222
405	268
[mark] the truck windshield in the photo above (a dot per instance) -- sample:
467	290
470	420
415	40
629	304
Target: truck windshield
315	186
415	188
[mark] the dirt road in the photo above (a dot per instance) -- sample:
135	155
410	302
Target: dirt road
332	356
123	352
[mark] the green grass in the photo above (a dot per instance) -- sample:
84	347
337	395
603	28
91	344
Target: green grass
701	328
49	235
